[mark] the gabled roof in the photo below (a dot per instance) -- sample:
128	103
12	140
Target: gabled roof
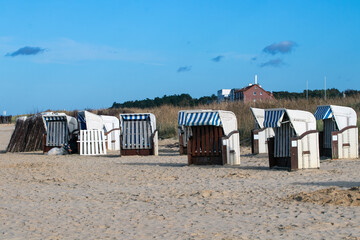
244	89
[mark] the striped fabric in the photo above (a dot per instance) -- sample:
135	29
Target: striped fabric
273	117
134	116
203	119
181	120
323	112
82	121
54	118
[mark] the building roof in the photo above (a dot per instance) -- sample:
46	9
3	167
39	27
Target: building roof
244	89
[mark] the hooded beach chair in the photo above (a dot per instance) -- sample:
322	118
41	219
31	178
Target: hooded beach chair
213	137
139	135
5	119
91	137
27	135
59	129
339	138
111	127
183	131
295	144
260	134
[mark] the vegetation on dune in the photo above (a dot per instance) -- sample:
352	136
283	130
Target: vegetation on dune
167	116
185	100
166	108
182	100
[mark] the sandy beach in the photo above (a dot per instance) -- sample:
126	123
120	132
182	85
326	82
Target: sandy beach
112	197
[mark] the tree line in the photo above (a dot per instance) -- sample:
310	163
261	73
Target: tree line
182	100
185	100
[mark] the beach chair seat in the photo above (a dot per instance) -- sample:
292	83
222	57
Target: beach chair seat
59	128
213	138
260	134
339	138
295	142
138	134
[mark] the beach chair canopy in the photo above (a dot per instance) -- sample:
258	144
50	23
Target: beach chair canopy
259	115
182	115
301	121
72	124
225	119
343	116
139	116
110	122
90	121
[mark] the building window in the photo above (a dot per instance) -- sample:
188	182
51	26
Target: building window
254	93
255	87
260	93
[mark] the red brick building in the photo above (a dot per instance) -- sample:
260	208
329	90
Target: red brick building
251	93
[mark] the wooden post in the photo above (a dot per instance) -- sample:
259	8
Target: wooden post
294	162
189	152
120	143
44	142
255	141
321	143
334	145
181	144
224	153
272	161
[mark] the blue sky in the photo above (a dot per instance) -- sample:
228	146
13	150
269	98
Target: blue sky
87	54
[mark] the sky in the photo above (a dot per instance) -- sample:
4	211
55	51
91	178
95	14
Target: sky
67	55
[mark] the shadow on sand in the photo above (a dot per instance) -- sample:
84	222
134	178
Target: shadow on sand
155	164
330	184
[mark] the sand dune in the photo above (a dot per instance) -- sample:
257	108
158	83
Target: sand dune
78	197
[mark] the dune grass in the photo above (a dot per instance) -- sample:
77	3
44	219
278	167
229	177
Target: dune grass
167	116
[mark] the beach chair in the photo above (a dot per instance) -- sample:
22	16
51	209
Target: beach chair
339	138
27	135
112	132
259	135
91	136
184	131
213	137
5	119
295	144
139	135
59	128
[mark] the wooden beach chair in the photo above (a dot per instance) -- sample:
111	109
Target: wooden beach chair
213	137
339	138
184	131
138	134
59	129
259	135
112	132
91	137
295	144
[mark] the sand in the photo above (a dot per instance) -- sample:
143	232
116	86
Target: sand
112	197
